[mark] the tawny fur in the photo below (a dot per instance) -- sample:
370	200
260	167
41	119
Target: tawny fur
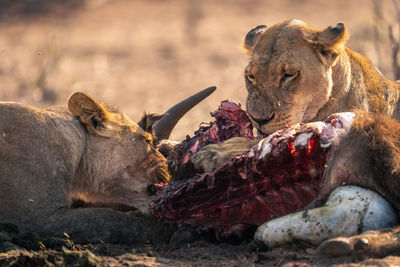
50	159
299	74
216	154
368	157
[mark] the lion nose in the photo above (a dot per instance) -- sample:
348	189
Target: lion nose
263	121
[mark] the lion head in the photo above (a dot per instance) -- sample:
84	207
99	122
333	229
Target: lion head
289	76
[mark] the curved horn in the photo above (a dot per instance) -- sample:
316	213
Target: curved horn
163	128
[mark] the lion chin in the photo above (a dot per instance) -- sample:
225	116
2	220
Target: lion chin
281	120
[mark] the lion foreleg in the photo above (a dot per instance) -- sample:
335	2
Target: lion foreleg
377	243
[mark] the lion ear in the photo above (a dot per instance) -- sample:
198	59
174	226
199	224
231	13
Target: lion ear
330	42
90	113
148	120
252	38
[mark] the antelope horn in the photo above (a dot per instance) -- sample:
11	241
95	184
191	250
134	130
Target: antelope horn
163	127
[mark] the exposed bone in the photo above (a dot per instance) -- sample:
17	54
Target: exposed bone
339	126
166	124
349	210
302	140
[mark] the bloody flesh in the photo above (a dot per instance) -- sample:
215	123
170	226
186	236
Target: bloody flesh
272	179
230	121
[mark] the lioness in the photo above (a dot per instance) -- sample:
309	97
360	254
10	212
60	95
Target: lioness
74	170
299	74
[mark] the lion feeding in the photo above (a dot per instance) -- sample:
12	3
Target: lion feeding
74	170
299	74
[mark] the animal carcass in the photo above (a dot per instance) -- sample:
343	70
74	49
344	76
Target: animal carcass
279	175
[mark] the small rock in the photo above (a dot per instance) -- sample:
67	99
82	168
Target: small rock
182	237
29	240
4	236
7	246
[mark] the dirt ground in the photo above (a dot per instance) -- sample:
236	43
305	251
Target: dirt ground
63	252
31	249
145	55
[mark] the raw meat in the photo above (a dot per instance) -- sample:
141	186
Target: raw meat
277	176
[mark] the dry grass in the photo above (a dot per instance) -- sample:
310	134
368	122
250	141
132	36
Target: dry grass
148	54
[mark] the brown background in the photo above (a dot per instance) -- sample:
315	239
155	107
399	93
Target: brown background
146	55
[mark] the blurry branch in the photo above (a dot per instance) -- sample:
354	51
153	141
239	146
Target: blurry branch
48	65
384	34
395	51
395	43
193	17
34	83
32	9
378	22
397	6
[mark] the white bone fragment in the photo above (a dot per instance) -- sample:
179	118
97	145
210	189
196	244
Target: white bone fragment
302	140
349	210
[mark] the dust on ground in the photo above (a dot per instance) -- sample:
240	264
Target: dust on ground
29	249
145	55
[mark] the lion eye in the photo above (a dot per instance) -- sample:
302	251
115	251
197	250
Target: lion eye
251	78
289	75
148	139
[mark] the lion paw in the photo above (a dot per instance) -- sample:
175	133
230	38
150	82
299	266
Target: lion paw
207	158
344	246
213	155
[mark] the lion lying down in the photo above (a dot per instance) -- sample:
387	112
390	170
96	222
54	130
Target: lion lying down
73	170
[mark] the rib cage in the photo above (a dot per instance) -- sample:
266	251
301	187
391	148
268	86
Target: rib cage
277	176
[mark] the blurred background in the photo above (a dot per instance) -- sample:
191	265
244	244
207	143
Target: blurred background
145	55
